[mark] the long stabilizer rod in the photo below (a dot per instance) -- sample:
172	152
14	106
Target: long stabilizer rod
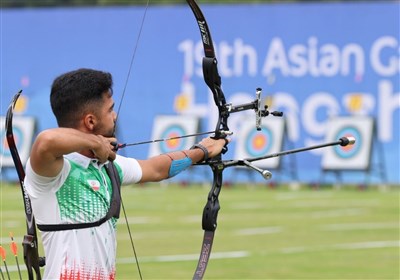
344	141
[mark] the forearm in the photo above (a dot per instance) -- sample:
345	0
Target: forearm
159	167
49	147
167	165
61	141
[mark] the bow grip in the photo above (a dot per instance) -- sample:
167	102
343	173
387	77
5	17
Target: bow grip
221	136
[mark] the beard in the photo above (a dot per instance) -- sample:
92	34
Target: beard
111	132
104	131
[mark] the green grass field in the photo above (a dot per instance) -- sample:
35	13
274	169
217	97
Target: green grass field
262	233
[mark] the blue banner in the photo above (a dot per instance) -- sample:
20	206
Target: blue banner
313	61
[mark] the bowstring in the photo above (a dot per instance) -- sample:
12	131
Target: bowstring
132	59
116	119
130	236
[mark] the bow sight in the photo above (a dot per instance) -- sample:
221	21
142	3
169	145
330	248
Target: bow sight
256	106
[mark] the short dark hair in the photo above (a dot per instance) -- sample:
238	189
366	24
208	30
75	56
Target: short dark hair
73	94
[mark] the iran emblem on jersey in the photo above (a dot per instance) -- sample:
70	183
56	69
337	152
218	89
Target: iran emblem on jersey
94	184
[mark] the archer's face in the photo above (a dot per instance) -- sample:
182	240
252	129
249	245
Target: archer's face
106	116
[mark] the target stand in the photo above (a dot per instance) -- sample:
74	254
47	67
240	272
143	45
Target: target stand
353	158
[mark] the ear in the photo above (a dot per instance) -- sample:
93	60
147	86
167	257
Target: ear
90	122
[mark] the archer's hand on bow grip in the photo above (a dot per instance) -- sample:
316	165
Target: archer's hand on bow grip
223	135
225	147
215	146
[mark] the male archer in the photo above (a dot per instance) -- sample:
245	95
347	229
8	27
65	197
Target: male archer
70	184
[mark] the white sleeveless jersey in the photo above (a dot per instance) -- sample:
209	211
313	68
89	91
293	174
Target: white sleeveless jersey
80	193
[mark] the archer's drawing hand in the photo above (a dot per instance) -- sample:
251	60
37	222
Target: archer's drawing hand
105	150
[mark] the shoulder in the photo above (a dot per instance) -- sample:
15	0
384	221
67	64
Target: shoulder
34	181
129	169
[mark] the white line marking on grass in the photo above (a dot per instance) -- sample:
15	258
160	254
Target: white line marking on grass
293	250
249	206
188	257
338	213
324	203
344	246
359	226
300	195
191	219
5	241
12	224
368	245
257	231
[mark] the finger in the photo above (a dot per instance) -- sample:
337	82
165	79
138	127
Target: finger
112	156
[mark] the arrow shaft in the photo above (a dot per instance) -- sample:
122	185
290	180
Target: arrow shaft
164	139
2	274
8	273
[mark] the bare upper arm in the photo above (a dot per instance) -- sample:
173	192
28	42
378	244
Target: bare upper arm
44	160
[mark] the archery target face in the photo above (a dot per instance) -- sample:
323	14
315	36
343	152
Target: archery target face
254	143
166	127
23	130
259	142
173	131
349	151
351	157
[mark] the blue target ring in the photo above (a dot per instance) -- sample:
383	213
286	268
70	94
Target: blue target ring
259	142
350	150
175	144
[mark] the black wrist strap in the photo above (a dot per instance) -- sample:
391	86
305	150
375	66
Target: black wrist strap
199	146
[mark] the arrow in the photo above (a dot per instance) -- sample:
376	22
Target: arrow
3	256
13	247
118	146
